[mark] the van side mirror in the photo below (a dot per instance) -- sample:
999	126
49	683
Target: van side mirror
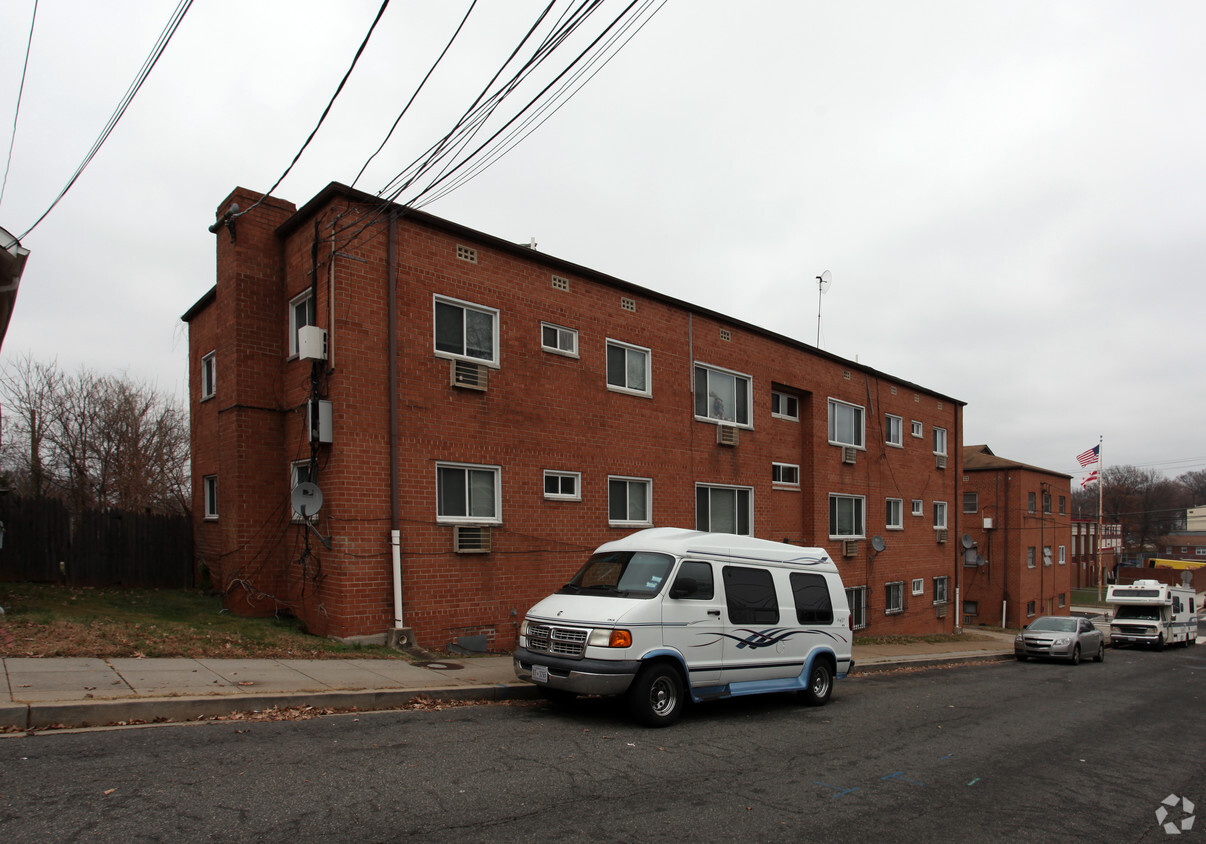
684	587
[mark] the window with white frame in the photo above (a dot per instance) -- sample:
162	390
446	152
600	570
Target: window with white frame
940	440
1063	555
971	502
300	473
209	486
894	513
918	586
846	517
558	339
941	588
1029	608
893	430
722	396
784	406
627	368
939	515
917	429
464	331
565	486
468	493
1030	557
845	423
894	597
918	507
628	501
302	312
1199	551
209	376
724	509
785	474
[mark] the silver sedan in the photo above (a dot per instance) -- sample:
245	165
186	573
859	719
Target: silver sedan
1060	637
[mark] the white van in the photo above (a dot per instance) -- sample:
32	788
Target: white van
667	612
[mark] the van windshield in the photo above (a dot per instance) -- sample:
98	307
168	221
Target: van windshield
622	574
1137	612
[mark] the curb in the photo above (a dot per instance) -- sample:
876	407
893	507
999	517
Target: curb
928	662
103	713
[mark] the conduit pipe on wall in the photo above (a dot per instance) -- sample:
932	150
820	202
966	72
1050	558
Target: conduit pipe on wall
395	509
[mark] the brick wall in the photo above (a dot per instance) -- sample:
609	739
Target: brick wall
541	411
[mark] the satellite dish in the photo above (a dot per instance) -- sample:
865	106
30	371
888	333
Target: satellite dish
307	499
980	561
967	541
877	542
823	281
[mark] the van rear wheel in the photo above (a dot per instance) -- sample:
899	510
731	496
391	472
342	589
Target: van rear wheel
820	684
655	698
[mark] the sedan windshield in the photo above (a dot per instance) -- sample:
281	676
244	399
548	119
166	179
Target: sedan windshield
623	574
1052	624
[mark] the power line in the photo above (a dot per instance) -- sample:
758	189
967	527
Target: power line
409	102
325	111
20	92
160	45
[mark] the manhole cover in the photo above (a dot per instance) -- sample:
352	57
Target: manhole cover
440	666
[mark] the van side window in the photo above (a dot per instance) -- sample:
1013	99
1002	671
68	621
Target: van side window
811	594
701	574
750	594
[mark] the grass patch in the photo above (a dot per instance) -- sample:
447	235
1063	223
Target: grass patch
1088	597
47	620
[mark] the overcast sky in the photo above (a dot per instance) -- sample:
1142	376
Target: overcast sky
1009	195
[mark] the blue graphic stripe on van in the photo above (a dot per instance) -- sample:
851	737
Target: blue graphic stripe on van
770	636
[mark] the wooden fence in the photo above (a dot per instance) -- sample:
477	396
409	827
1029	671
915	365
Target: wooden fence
44	542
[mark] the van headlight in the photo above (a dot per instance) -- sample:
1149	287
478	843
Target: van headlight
609	639
523	628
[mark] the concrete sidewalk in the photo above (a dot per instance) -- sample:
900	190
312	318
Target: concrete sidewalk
36	693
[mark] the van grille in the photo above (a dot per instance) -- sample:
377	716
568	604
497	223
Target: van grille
559	641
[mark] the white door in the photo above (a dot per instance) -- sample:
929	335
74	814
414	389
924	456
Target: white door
691	621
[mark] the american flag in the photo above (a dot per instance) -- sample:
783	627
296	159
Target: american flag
1088	458
1090	478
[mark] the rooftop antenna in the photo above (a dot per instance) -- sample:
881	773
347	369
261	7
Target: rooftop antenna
823	281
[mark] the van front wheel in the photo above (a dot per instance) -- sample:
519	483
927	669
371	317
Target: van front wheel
656	696
820	684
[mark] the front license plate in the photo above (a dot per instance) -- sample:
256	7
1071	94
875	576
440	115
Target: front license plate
540	673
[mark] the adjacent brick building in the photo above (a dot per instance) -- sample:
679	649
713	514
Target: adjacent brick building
1018	532
505	412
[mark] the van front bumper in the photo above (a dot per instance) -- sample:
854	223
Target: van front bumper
580	676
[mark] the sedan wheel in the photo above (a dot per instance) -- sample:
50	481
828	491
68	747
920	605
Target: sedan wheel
1100	653
1076	655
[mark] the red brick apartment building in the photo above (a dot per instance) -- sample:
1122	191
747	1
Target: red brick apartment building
1018	531
505	412
1093	559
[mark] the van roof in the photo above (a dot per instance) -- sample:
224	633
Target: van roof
682	542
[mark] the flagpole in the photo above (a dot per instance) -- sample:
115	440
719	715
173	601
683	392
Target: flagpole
1100	515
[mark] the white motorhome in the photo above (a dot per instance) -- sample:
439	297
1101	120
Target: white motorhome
668	613
1149	612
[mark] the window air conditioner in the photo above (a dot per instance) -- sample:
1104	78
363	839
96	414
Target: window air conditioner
849	454
471	540
941	535
941	461
727	435
849	547
469	376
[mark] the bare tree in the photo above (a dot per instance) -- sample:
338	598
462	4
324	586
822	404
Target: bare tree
95	441
1147	503
1195	487
29	391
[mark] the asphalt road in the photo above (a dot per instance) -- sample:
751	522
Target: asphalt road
1000	752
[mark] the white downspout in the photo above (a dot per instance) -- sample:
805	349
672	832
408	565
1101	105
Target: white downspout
395	544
